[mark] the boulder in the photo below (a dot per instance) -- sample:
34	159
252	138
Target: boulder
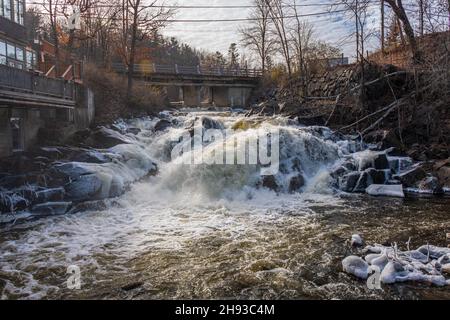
209	123
380	260
363	182
51	208
162	125
392	272
442	171
71	170
350	165
296	183
106	138
338	172
12	201
356	241
411	177
384	139
83	188
270	182
96	205
433	251
55	194
356	266
90	156
134	131
348	182
399	164
13	181
376	176
380	162
385	190
430	185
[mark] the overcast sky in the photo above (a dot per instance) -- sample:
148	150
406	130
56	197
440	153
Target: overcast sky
335	28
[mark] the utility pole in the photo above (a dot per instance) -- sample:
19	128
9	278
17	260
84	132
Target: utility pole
382	27
357	30
448	7
421	14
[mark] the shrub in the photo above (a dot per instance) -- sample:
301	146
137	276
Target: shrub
110	96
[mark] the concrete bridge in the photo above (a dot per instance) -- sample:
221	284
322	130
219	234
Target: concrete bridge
199	85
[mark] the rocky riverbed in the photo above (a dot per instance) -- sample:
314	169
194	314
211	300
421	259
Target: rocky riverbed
115	203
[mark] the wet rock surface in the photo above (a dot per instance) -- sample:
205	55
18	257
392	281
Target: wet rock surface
51	180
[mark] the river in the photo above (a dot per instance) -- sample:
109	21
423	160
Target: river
210	233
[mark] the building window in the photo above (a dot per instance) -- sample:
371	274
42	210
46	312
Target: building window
13	10
19	54
7	8
31	59
2	52
18	11
12	55
11	50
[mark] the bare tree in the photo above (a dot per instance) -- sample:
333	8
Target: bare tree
257	36
140	19
301	35
278	15
399	10
54	8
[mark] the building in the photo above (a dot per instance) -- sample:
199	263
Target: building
30	100
14	49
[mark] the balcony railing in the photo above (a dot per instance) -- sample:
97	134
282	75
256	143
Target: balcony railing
32	83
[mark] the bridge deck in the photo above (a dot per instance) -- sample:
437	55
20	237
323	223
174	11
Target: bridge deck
193	75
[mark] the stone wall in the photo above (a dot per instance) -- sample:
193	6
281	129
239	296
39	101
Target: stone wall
333	82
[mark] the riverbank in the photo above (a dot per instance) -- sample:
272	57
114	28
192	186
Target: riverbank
397	108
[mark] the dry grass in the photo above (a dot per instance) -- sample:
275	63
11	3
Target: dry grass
110	96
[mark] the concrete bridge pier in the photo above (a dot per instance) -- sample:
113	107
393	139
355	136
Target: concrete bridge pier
174	93
220	96
238	97
206	95
191	96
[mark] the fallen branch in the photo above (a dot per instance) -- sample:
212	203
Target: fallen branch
336	103
396	105
368	116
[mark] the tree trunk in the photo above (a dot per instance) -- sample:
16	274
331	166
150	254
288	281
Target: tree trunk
397	7
132	51
132	58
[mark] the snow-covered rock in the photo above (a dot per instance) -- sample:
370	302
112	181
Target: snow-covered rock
428	264
356	266
356	241
385	190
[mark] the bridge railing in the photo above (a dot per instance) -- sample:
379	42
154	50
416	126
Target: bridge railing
189	70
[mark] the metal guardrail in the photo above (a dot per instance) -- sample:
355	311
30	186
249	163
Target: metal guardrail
223	71
29	82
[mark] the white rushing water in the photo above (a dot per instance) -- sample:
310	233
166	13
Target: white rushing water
166	216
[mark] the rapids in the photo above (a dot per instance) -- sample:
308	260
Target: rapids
215	231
